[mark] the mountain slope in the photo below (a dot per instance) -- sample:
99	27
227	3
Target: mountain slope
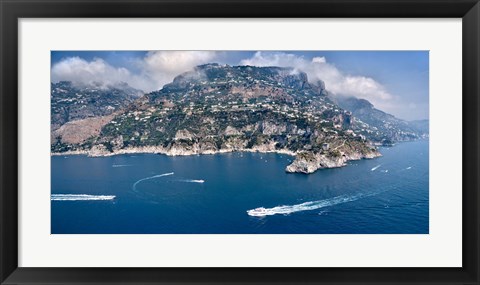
380	126
79	112
70	102
221	108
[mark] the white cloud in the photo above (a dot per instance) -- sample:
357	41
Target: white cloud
157	68
79	70
319	59
163	66
335	80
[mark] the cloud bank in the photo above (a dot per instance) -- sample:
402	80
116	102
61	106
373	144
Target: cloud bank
336	81
157	68
78	70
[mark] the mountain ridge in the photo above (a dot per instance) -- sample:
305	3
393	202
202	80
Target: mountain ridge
220	108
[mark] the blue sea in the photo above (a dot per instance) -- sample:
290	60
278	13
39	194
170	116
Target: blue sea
211	194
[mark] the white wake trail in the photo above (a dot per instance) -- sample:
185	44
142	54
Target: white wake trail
134	187
121	165
81	197
308	206
192	180
375	168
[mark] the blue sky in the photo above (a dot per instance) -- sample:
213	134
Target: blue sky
394	81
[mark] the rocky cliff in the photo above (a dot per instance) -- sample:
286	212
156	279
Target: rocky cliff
309	162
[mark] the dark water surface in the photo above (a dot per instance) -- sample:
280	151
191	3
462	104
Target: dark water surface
384	195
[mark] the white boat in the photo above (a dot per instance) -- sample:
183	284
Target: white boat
258	212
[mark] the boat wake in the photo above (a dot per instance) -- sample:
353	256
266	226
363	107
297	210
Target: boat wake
308	206
81	197
192	180
375	168
121	165
134	187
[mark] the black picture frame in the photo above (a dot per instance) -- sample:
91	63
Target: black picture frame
11	11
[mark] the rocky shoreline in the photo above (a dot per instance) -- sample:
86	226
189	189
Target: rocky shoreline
308	162
98	152
305	162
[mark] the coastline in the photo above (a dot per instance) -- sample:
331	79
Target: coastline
304	162
161	150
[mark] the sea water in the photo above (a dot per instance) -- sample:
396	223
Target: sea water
213	194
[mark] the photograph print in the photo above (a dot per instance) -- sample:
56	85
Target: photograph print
239	142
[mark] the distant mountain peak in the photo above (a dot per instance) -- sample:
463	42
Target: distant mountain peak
389	127
354	103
